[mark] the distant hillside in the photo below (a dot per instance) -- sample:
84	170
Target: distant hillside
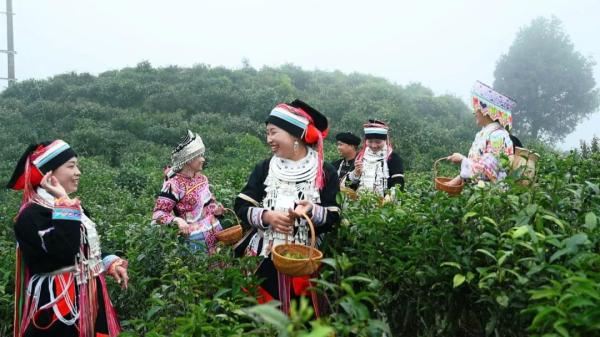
118	113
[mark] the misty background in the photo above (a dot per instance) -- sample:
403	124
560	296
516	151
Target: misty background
443	45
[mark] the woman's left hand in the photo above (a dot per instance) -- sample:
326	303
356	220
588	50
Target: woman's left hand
302	207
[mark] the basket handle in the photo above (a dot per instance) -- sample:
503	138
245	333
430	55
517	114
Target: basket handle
435	166
343	180
313	239
235	215
212	229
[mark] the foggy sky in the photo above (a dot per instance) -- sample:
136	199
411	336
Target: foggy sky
445	45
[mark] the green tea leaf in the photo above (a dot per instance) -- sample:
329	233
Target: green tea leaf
450	264
519	231
468	215
591	221
458	280
502	299
485	252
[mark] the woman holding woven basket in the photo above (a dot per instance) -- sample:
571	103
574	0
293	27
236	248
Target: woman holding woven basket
186	200
492	143
293	182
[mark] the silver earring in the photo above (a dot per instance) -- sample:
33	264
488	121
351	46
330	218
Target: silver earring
296	146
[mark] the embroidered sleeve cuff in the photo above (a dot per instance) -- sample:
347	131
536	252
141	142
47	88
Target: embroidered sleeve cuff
66	209
466	169
114	263
108	260
319	214
165	218
255	217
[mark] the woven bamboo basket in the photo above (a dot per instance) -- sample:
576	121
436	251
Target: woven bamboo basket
441	183
348	191
525	160
231	235
298	266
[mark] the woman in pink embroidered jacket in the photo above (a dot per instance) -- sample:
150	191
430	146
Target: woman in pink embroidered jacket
186	200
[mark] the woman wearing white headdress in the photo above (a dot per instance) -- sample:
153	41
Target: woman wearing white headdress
377	167
186	200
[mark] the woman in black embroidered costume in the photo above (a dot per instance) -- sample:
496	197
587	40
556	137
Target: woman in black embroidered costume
293	181
60	288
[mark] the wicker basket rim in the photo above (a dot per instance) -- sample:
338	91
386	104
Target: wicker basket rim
312	247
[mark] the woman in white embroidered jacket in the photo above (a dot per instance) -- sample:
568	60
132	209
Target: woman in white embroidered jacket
60	288
377	167
493	142
295	180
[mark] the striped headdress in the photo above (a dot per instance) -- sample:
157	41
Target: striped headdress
306	123
36	161
375	129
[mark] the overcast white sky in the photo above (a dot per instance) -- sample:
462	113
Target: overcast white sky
446	45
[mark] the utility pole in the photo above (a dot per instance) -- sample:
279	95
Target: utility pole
10	44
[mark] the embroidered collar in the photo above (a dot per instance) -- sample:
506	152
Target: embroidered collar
371	156
46	199
295	171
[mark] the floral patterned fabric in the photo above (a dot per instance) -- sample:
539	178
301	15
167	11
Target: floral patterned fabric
191	200
483	162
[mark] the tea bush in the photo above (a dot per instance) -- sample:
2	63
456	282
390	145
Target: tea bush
498	260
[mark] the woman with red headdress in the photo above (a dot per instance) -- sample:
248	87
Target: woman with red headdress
60	288
294	181
377	167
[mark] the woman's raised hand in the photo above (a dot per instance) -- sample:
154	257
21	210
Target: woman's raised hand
358	166
53	186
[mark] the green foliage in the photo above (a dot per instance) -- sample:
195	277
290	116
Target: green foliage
586	150
501	260
120	112
552	83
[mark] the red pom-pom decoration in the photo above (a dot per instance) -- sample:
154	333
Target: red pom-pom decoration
312	134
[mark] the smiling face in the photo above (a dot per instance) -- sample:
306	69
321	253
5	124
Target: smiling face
280	141
346	150
375	144
68	175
